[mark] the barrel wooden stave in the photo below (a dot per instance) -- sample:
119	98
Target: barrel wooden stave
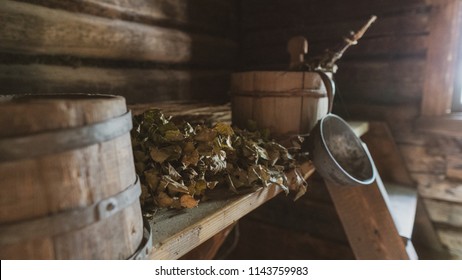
32	115
284	102
114	238
72	180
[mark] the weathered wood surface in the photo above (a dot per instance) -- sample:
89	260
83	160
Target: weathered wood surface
367	221
175	234
448	125
374	49
440	71
451	240
407	24
209	249
444	212
389	161
454	166
436	187
69	182
218	16
287	103
136	85
258	14
32	29
316	218
284	244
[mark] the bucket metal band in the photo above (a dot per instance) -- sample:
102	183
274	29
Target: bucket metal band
145	247
57	141
70	220
315	93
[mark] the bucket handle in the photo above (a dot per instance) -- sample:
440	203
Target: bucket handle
330	87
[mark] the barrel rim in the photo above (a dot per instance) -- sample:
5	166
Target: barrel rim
6	100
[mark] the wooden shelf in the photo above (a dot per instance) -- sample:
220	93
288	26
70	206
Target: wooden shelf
175	232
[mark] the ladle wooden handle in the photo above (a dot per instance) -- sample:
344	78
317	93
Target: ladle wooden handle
297	48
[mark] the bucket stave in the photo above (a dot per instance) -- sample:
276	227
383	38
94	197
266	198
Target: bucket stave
287	103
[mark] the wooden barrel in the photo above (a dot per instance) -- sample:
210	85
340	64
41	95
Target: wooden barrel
287	103
68	184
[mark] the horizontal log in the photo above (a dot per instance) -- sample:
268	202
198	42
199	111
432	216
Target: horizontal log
444	212
393	71
136	85
396	25
260	13
217	16
436	187
399	117
454	166
452	239
367	49
31	29
448	146
380	92
418	160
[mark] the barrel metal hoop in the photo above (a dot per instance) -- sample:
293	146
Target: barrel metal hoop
315	93
57	141
145	247
70	220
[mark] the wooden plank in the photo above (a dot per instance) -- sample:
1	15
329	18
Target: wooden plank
440	72
418	160
367	222
444	212
454	166
399	117
315	218
209	249
262	241
427	242
173	236
402	25
137	85
203	15
436	187
388	47
388	159
32	29
452	239
260	13
448	125
447	146
380	92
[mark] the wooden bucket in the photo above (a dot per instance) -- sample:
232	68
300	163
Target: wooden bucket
68	184
287	103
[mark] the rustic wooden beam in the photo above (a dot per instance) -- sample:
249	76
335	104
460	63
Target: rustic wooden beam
217	16
137	85
440	71
367	221
260	13
32	29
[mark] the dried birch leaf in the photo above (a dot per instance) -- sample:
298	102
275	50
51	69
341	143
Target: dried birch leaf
188	201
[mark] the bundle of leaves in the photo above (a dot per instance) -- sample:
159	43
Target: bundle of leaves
179	163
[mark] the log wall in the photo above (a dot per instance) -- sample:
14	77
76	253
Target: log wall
143	50
379	79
